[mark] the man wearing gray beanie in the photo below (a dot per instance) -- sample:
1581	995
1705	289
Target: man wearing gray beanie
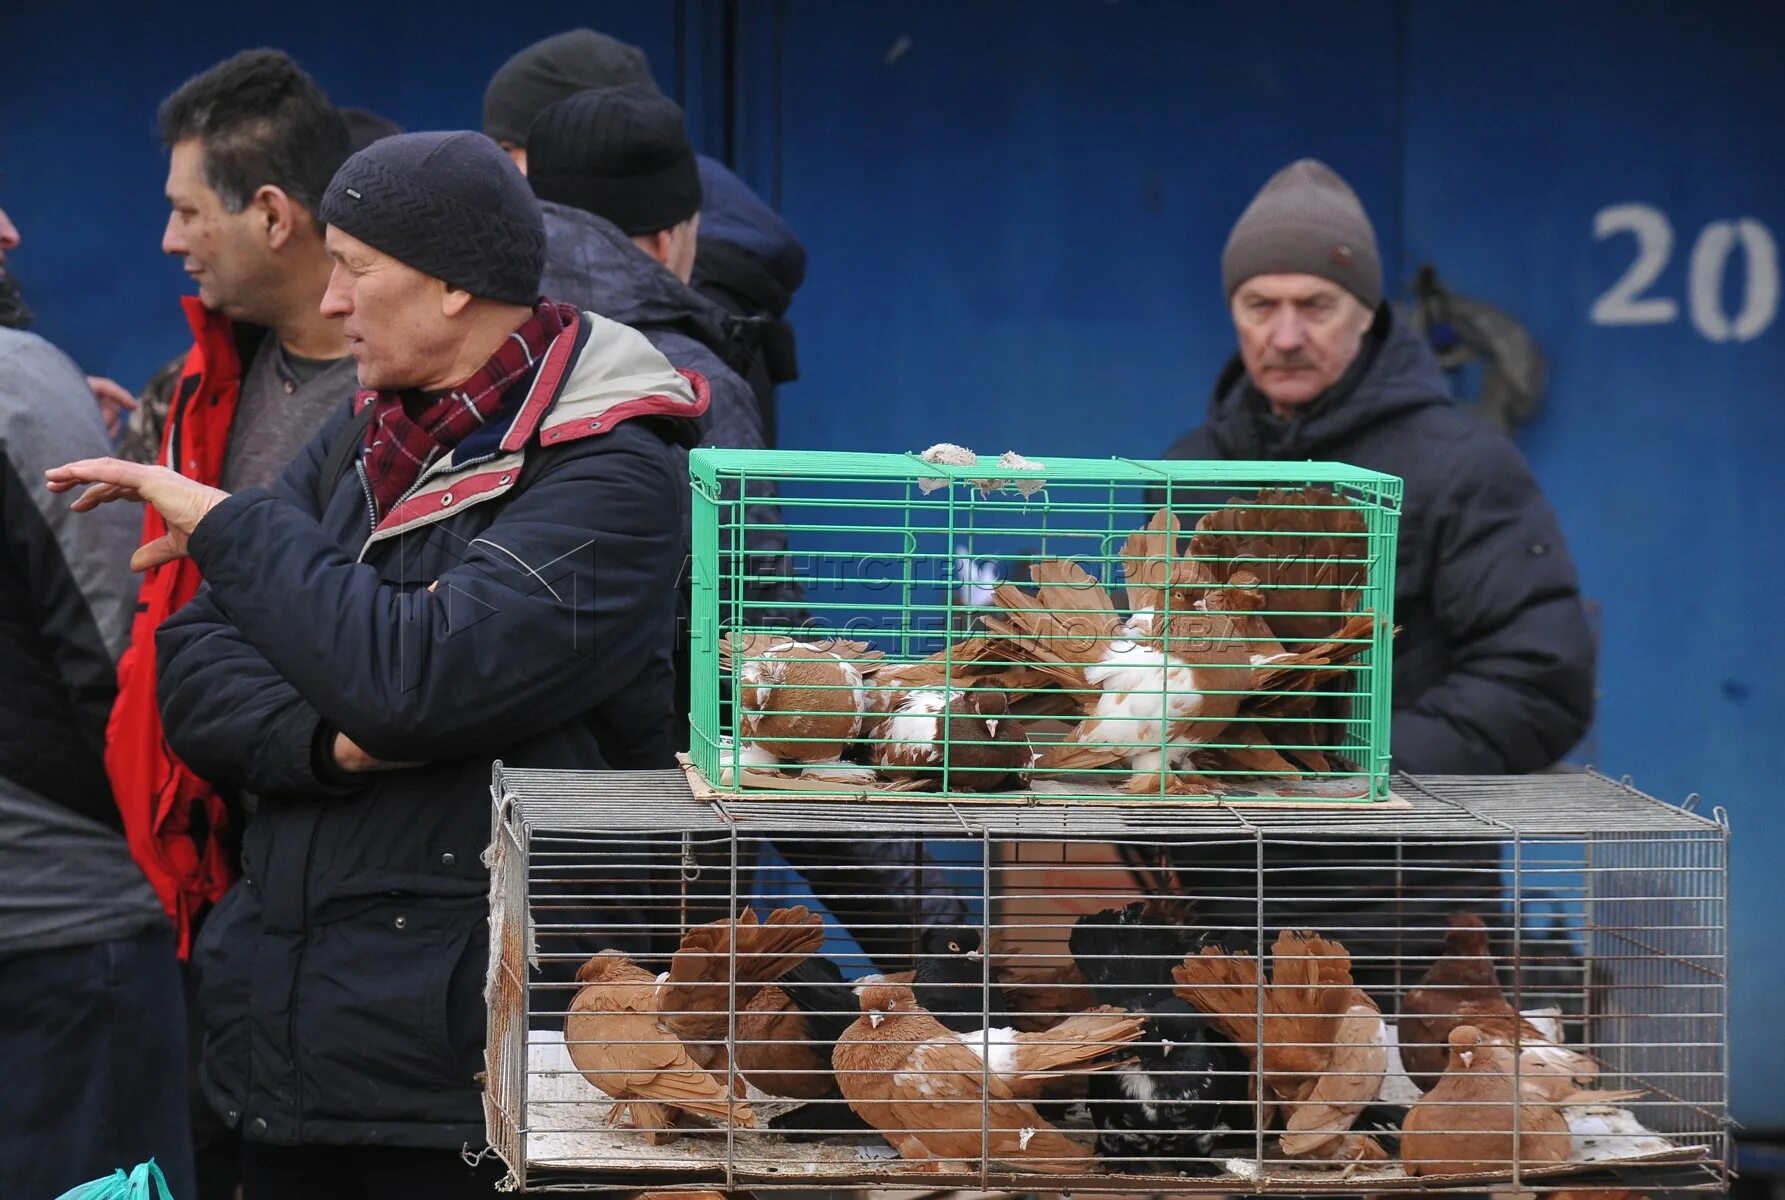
469	562
1493	667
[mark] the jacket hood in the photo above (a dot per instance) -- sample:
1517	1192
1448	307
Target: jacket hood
1398	375
730	212
591	264
617	374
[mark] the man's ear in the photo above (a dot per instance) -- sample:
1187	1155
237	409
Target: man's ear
276	214
453	300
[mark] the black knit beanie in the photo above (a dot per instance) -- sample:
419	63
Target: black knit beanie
551	69
451	205
620	153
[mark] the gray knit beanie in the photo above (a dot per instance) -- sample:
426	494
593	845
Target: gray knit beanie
552	68
1305	221
451	205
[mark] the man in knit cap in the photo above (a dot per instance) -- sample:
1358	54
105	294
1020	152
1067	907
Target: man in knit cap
1493	667
621	197
748	260
467	563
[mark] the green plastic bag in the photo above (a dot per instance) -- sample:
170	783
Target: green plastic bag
144	1183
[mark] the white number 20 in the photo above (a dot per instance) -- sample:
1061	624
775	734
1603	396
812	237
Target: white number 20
1624	304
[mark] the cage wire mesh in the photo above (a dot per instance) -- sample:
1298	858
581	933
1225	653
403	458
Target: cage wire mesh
1492	982
1081	628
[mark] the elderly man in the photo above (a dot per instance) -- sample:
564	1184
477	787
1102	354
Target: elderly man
1494	664
470	562
1493	668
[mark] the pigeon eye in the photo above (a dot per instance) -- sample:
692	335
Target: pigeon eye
954	947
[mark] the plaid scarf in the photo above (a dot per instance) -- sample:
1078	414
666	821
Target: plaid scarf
409	430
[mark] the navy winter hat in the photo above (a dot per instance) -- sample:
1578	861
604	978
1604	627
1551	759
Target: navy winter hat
450	204
549	70
620	153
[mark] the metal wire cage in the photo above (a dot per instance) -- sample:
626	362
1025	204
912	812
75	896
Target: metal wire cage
1085	629
1158	998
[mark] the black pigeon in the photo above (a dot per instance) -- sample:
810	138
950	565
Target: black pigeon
819	991
1127	953
817	988
1383	1122
951	982
1181	1107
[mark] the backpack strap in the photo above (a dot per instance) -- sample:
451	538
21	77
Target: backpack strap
341	457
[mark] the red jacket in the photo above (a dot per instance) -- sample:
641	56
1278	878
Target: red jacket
174	820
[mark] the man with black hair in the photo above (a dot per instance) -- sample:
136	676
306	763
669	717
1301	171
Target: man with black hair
143	417
253	143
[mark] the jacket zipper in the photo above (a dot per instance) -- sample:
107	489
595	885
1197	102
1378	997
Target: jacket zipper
365	484
427	475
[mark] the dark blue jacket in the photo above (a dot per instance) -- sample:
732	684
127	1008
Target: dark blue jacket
591	264
750	263
1493	669
341	978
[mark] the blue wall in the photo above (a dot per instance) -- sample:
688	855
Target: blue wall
1015	211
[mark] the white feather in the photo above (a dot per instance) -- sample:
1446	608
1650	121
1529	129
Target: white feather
1142	690
1602	1131
752	755
978	578
914	723
1547	1020
836	768
1397	1088
1001	1040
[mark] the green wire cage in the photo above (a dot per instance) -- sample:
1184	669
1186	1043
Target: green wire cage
1065	629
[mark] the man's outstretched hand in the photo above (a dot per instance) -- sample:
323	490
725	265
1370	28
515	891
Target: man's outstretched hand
182	502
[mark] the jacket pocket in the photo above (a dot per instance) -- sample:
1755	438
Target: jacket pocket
372	1025
222	957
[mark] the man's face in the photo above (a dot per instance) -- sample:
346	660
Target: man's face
393	316
9	236
225	253
1297	333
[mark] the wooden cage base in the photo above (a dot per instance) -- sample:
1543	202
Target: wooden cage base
773	786
570	1144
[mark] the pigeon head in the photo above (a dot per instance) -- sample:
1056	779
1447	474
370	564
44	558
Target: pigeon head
953	941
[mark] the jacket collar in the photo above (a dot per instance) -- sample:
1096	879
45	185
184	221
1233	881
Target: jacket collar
1394	374
594	376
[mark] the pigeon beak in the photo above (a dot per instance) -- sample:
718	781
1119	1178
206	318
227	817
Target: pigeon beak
1468	1057
875	1016
975	955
